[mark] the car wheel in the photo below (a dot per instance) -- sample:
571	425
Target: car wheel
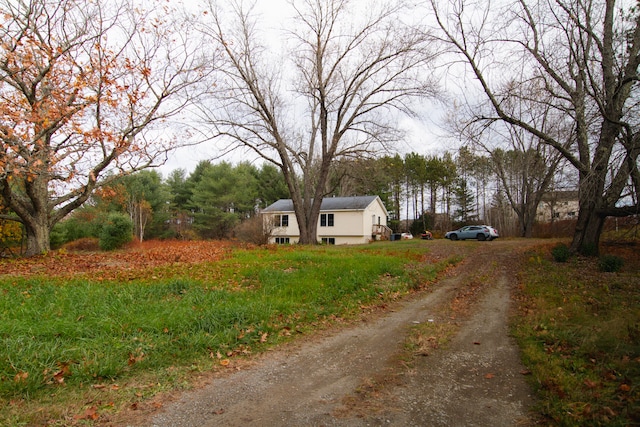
482	237
453	237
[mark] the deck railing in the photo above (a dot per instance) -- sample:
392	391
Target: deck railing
381	232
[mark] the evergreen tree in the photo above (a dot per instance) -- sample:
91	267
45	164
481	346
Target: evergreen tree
465	211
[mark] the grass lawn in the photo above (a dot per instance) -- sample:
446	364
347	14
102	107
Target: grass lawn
86	335
579	330
77	347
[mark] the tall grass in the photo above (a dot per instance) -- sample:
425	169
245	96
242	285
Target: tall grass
579	331
77	333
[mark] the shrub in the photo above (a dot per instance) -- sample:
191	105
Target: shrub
57	237
252	230
79	226
589	250
89	244
610	263
116	232
560	252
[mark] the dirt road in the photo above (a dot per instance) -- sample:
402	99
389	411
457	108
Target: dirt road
354	377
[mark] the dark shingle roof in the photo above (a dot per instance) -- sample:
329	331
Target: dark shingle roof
328	204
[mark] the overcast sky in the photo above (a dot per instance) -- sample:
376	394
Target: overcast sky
423	136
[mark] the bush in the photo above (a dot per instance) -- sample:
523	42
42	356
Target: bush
589	250
610	263
560	252
88	244
79	226
116	232
252	230
57	237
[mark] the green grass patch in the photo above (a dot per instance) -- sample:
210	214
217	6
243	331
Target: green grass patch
60	339
579	330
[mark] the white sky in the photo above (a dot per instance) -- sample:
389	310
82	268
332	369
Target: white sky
423	135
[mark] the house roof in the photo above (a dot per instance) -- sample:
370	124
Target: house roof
328	204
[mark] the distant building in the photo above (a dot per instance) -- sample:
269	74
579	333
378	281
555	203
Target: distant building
342	221
558	206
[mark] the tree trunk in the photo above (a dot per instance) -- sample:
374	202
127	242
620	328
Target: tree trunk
33	210
592	196
522	221
38	235
528	224
307	215
586	238
309	236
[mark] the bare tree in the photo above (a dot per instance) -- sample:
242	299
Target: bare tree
331	96
525	175
583	55
84	90
524	165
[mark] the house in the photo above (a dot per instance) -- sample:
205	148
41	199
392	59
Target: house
343	221
557	206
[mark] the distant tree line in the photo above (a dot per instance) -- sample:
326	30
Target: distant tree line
218	201
498	187
214	201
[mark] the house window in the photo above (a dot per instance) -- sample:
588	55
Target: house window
328	240
326	220
282	240
282	220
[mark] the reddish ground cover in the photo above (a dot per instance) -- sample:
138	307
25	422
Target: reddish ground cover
137	260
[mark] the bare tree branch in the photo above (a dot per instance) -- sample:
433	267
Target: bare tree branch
335	97
85	90
583	58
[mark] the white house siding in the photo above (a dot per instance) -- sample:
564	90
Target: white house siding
351	226
292	231
558	206
347	224
375	214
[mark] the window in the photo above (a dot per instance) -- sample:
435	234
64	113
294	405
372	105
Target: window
326	220
329	240
282	240
282	220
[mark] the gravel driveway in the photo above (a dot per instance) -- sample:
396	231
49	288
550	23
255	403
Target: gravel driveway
476	380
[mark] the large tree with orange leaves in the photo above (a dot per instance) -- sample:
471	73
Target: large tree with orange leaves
88	91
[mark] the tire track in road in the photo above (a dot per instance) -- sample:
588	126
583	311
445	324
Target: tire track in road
305	384
477	380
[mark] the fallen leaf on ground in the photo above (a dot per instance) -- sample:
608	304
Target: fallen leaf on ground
590	384
21	376
89	414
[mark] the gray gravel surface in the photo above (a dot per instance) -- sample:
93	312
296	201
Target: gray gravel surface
476	381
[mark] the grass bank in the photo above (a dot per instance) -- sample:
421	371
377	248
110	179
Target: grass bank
579	330
77	350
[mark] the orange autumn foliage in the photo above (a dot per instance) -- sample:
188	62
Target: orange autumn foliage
137	261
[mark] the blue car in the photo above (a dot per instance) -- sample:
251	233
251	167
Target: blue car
480	232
